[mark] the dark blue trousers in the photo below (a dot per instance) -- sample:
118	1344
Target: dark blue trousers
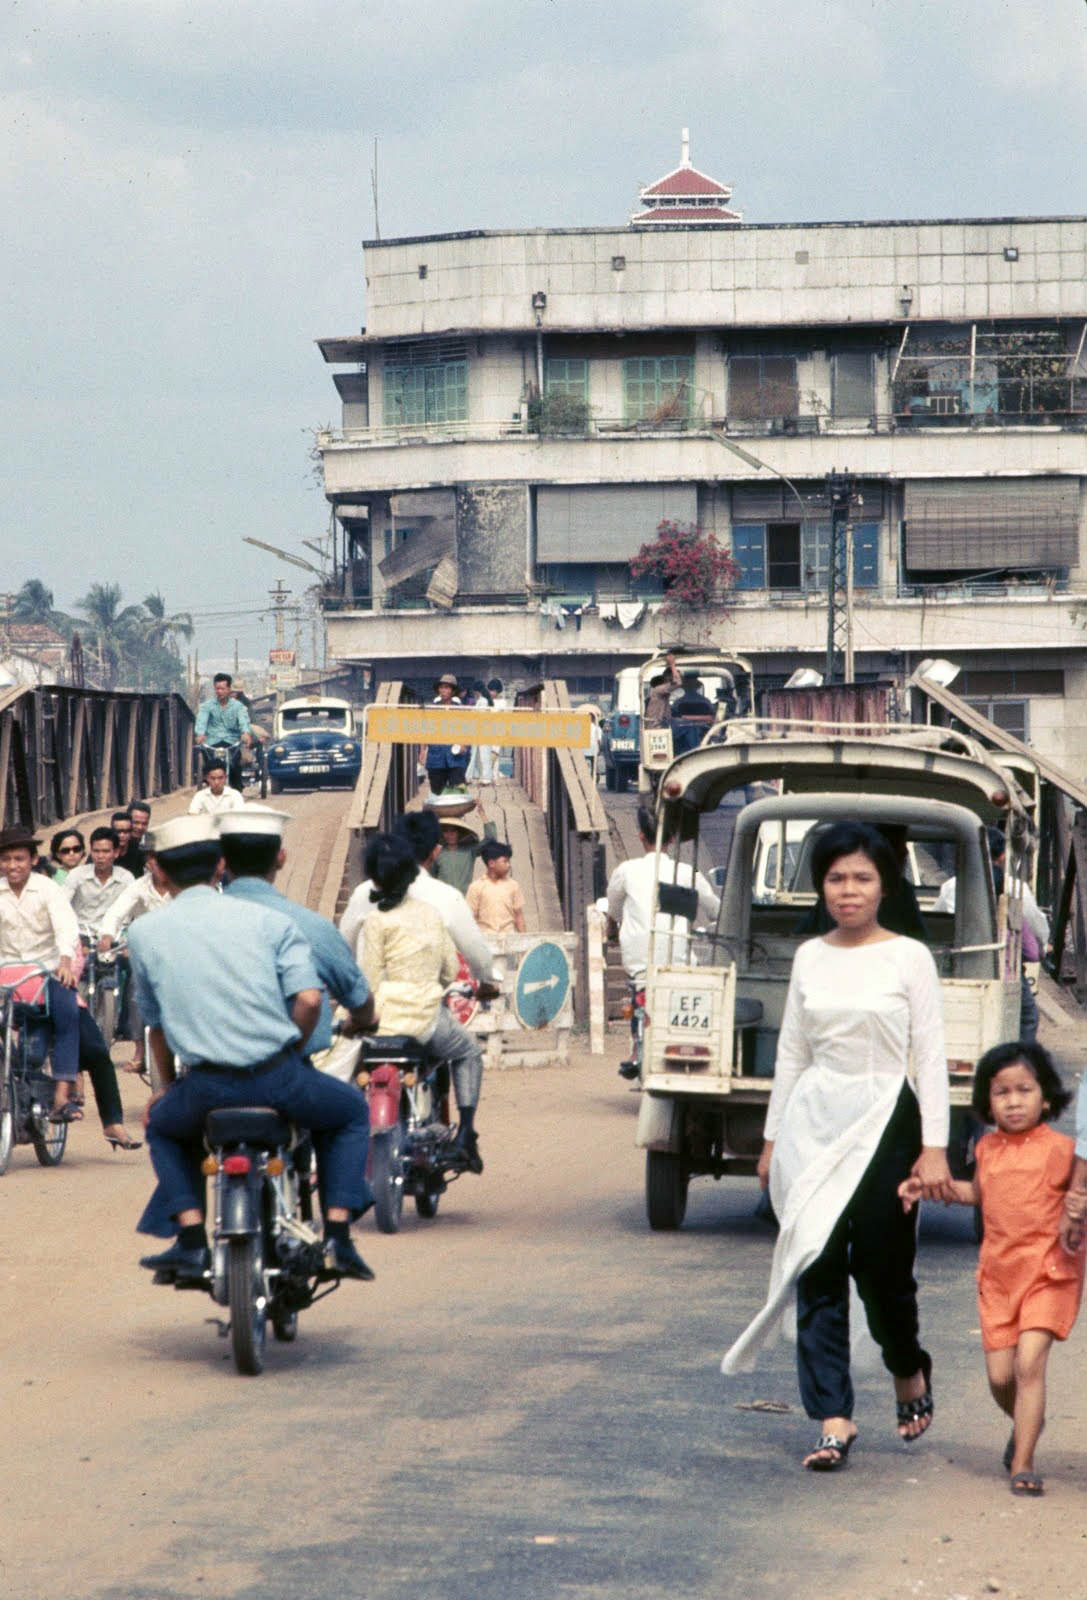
874	1241
336	1114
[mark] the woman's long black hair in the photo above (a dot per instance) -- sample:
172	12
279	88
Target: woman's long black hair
390	864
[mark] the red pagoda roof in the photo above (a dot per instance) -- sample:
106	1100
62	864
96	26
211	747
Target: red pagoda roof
685	181
685	195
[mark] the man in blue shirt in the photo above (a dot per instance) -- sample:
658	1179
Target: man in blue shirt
231	987
252	844
223	721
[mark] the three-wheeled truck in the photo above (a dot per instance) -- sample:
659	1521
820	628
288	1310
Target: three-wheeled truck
713	1018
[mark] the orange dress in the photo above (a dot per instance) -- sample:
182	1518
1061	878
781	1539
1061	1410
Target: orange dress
1025	1279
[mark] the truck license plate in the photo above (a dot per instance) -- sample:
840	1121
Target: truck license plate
623	744
315	769
690	1011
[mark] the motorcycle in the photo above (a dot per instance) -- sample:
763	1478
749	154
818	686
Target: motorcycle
267	1261
413	1148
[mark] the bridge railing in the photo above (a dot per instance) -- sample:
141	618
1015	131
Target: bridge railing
561	784
66	750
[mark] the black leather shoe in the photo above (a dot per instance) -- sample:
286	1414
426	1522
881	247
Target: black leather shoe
469	1149
178	1263
345	1261
629	1070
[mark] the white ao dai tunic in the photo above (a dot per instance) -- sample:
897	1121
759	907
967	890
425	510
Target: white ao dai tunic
858	1019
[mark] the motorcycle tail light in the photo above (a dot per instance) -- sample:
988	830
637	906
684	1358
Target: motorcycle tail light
362	1079
689	1052
274	1166
627	1010
624	722
236	1166
957	1068
409	1080
209	1166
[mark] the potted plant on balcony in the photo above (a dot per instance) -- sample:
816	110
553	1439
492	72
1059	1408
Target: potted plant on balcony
558	413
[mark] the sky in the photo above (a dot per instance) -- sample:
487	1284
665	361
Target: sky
186	184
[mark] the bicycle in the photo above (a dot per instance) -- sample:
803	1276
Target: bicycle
26	1089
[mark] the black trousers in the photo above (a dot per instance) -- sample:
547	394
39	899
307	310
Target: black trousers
875	1243
96	1062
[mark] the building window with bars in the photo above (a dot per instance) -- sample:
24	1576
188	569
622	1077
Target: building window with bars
658	388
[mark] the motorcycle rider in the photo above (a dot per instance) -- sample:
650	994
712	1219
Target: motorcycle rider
408	958
423	834
223	721
232	988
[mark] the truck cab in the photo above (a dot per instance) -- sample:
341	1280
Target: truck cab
708	1061
725	682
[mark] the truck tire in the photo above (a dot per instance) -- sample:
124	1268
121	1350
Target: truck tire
666	1181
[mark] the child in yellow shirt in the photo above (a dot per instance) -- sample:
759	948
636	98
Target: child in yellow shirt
496	901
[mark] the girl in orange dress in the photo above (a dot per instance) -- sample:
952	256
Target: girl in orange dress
1029	1287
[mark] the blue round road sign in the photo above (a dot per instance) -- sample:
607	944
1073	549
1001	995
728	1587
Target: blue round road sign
543	984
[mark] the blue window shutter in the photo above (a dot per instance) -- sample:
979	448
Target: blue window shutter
749	553
865	555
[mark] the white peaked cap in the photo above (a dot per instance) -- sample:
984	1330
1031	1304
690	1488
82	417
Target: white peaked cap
261	821
181	831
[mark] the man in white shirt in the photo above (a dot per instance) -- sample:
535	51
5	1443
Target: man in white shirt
143	894
216	798
422	831
92	888
632	909
37	925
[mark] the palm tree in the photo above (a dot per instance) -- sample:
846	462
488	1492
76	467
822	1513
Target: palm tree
111	628
161	632
34	602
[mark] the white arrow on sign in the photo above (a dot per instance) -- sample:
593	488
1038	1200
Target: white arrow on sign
544	983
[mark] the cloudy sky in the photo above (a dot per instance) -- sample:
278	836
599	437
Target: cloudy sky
186	184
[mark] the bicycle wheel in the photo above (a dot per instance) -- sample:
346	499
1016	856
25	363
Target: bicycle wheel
7	1095
50	1139
248	1307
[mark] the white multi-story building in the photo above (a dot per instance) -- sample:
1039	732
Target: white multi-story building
524	408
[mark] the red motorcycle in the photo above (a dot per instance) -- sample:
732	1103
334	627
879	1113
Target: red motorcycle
413	1148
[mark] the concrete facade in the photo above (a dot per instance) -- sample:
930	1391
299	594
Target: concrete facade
948	356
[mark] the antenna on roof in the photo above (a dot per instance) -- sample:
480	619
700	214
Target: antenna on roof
685	148
373	186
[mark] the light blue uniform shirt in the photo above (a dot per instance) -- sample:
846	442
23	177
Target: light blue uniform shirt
216	975
336	968
222	724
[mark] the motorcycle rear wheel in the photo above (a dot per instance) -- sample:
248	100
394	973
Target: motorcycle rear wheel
387	1179
245	1287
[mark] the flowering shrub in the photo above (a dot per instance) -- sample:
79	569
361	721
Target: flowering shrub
693	570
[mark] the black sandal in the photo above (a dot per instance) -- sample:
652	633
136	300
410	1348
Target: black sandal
921	1408
834	1451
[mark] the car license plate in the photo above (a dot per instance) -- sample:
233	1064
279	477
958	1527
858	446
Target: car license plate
690	1011
315	769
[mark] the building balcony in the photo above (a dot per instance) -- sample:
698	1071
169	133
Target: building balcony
969	616
384	460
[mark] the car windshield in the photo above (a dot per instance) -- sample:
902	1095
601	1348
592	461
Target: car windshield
304	718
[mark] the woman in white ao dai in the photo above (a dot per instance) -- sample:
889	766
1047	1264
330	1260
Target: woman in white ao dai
847	1121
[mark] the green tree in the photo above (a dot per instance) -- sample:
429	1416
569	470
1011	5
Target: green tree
113	630
161	630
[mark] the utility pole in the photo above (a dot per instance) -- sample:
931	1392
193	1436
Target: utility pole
841	488
278	597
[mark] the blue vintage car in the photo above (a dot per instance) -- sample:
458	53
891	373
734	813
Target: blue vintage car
315	742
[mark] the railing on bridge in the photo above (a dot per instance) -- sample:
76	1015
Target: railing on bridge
560	783
65	750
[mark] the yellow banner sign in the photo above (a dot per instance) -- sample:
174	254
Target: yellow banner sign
554	730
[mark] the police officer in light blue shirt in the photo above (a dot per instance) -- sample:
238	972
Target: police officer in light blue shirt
252	845
231	987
